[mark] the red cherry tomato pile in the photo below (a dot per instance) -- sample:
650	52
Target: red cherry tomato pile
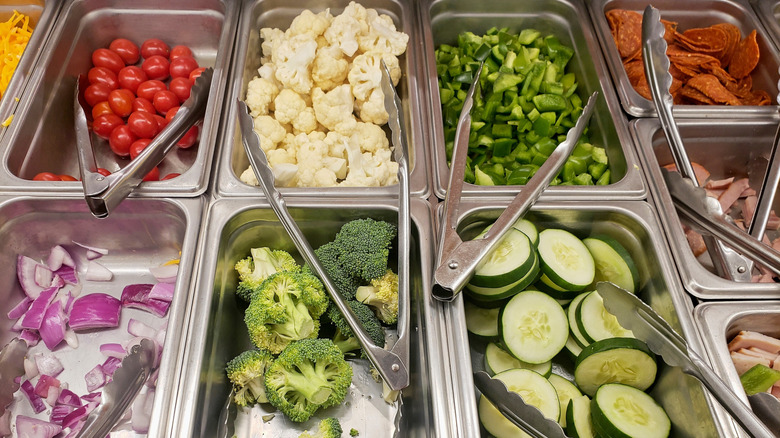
134	93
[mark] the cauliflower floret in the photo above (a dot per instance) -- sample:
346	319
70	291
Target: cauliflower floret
337	144
248	177
288	105
347	27
330	68
280	156
311	156
382	35
270	130
336	165
365	75
293	57
334	108
268	72
307	23
260	94
272	37
284	175
371	137
370	170
305	122
373	110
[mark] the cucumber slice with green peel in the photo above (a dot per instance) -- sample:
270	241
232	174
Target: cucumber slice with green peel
571	313
573	347
484	303
565	259
613	262
566	391
499	293
535	391
596	323
563	303
578	421
547	286
529	229
758	378
480	321
533	327
507	263
616	360
623	411
497	360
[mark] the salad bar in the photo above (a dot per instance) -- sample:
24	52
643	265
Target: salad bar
191	304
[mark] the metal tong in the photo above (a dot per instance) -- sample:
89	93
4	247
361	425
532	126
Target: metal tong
104	193
728	263
11	367
659	336
457	259
392	364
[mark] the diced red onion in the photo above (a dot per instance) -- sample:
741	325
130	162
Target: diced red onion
30	336
142	411
75	416
111	364
35	400
98	272
75	431
59	412
67	274
43	275
52	329
25	273
30	368
59	256
34	316
162	292
93	252
71	339
5	423
48	364
165	273
68	397
138	328
95	378
51	397
137	296
19	309
96	310
34	428
67	302
93	397
113	350
42	387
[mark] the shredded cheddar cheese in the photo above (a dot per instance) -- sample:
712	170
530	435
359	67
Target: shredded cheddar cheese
14	36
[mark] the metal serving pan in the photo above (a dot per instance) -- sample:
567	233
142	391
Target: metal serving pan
720	146
719	322
689	15
42	137
635	226
217	333
144	233
256	14
769	14
43	14
442	20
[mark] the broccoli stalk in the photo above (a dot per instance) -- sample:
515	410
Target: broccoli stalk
327	428
262	263
246	372
364	246
382	296
344	338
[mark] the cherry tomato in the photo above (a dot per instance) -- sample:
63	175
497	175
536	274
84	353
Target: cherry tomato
120	140
104	125
182	66
164	101
178	51
154	46
67	178
171	113
100	109
148	89
96	93
195	73
156	67
102	75
138	146
126	49
141	104
142	124
170	176
131	77
108	59
161	122
121	102
104	172
46	176
153	175
181	88
189	139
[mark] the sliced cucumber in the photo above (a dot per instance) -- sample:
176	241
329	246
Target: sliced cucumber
529	229
596	323
533	327
566	391
579	338
481	321
615	360
626	412
578	421
499	293
547	286
613	262
535	390
565	260
573	347
497	360
509	261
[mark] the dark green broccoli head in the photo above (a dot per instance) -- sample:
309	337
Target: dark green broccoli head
364	246
328	255
327	428
246	372
344	337
308	374
256	268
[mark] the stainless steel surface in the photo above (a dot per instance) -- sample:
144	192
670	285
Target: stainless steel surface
217	334
726	149
456	259
767	407
661	338
119	393
41	138
635	226
768	189
442	20
11	367
701	13
256	14
513	407
768	12
144	233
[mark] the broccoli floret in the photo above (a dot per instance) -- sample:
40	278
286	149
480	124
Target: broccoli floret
344	338
328	255
308	374
286	307
353	432
382	296
246	372
327	428
364	246
263	262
